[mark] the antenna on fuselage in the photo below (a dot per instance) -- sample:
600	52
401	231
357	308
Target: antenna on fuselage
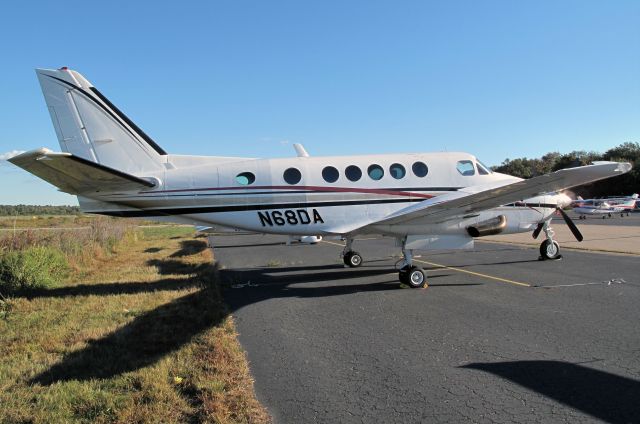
300	150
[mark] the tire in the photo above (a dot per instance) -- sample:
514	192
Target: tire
352	259
413	277
550	250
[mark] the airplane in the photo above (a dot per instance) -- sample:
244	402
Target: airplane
426	201
604	207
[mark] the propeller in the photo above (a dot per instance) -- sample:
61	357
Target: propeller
574	229
536	232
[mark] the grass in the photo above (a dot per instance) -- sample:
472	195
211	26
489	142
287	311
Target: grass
139	335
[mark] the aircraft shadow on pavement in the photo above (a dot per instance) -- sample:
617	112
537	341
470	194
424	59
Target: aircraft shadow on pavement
232	246
603	395
278	276
152	335
248	286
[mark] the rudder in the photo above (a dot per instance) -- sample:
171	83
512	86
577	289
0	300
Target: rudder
89	126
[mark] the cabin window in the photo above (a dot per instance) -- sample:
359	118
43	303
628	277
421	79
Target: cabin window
397	171
330	174
292	176
420	169
483	166
375	172
353	173
466	168
245	178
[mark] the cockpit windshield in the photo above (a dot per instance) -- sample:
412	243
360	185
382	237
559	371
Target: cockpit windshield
482	168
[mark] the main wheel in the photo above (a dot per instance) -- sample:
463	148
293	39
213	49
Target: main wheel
550	249
413	277
352	259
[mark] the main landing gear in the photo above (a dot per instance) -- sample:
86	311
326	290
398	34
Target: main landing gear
349	257
549	248
412	276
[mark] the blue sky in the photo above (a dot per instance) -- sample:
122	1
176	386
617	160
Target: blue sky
499	79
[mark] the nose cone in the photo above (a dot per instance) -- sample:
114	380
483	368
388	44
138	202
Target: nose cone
562	200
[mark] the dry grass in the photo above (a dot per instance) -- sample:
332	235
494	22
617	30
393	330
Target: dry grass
58	221
139	335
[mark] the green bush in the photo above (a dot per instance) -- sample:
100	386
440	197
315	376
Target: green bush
32	268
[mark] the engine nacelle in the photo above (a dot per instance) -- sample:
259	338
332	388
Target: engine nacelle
489	227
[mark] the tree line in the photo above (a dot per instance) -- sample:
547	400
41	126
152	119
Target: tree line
626	184
26	210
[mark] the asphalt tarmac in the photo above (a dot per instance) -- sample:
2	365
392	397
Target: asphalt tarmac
498	336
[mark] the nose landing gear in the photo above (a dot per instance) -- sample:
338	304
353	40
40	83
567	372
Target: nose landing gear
549	248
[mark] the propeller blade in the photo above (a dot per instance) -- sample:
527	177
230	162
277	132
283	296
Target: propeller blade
536	232
576	233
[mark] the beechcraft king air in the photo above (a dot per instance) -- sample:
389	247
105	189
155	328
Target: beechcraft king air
426	201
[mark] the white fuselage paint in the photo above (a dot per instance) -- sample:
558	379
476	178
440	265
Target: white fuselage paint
209	194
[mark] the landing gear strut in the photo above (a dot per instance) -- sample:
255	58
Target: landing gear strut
349	257
412	276
549	248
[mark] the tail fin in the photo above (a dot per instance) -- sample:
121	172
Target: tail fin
89	126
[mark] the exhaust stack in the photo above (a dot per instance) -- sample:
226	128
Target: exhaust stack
489	227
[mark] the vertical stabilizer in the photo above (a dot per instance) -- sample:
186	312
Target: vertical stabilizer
88	125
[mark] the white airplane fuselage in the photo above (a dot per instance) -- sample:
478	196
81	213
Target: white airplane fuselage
209	193
426	201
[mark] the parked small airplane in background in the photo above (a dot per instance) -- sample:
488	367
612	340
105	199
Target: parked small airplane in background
426	201
605	207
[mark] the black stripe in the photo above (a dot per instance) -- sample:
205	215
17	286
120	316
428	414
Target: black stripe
240	208
281	191
89	96
161	195
124	117
111	171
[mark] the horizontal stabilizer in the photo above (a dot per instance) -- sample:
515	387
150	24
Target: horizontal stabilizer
75	175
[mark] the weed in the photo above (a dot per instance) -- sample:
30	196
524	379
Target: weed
33	268
5	307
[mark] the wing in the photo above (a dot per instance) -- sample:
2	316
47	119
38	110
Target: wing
472	200
75	175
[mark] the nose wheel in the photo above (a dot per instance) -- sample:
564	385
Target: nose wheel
549	248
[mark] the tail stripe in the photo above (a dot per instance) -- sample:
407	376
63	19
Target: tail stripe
121	117
124	117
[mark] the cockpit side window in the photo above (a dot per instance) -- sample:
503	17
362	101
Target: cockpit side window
466	168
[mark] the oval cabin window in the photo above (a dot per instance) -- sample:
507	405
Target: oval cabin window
420	169
375	172
397	171
330	174
292	176
245	178
353	173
